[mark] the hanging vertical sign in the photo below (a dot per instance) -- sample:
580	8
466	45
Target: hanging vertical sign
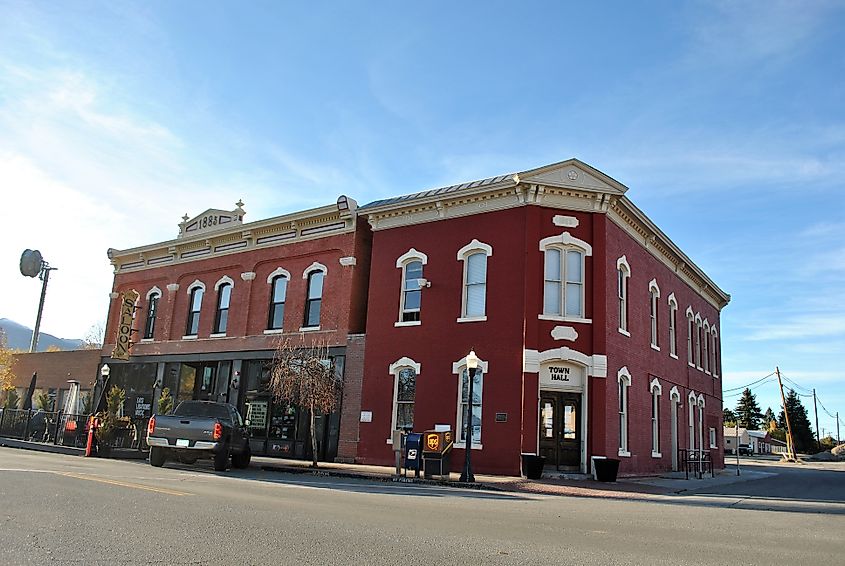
124	325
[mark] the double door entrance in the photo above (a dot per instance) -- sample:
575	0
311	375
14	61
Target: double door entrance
560	430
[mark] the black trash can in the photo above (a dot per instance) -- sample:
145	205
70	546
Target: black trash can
532	466
606	469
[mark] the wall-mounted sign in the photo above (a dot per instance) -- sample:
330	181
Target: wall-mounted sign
366	416
561	375
123	342
501	417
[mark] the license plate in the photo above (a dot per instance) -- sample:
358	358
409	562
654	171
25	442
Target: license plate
182	442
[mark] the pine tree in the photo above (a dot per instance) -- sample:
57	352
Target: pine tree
728	416
769	418
802	432
748	411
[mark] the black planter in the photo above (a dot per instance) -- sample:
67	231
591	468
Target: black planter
606	469
532	466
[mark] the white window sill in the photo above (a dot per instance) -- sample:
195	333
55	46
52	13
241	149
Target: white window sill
390	441
407	323
690	364
274	331
624	453
712	447
309	328
707	372
472	319
560	318
623	331
464	445
673	356
655	347
146	340
191	337
656	454
715	376
217	335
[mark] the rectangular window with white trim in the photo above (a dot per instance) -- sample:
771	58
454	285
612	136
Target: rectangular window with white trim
477	395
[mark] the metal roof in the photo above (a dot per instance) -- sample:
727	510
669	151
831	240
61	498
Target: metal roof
440	191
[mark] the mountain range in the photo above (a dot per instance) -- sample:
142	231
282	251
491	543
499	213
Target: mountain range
18	337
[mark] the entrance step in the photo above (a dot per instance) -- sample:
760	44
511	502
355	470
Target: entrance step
560	475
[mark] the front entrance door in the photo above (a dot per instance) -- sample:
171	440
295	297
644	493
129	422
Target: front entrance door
560	429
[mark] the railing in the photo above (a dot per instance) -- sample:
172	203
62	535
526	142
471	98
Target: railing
696	461
63	429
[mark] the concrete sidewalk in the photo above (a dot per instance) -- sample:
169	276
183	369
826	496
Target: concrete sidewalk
624	488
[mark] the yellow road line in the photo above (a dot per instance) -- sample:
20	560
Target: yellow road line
122	484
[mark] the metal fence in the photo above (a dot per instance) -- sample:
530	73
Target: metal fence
49	427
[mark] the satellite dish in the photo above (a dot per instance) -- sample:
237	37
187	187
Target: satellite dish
31	262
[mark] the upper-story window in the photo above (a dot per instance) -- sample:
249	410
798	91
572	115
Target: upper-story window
196	292
314	297
698	341
705	345
623	274
152	311
714	352
563	288
673	326
410	297
278	281
654	294
224	295
690	332
474	298
405	372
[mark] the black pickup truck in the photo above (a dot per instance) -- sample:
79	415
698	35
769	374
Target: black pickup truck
199	429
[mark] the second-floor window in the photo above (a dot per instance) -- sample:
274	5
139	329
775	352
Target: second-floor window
152	310
278	294
654	295
221	319
623	274
314	299
194	306
673	322
563	292
474	300
412	272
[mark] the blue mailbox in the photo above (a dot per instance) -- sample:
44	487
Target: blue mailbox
413	453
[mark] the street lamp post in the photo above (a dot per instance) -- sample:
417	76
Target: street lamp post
472	367
104	374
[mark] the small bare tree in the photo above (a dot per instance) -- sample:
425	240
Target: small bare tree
304	376
7	360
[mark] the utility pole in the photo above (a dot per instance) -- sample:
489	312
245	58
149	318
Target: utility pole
790	442
837	428
736	445
816	411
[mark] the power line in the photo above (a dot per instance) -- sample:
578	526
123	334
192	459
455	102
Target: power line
749	385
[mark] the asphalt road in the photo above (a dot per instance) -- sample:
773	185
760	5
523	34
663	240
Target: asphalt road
59	509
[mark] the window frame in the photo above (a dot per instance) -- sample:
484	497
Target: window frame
395	370
690	331
310	301
673	326
654	296
563	244
153	297
623	278
475	247
698	341
714	352
194	316
277	275
705	343
656	392
623	378
458	369
219	288
402	263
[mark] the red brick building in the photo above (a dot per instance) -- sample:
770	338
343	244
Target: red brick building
597	335
215	301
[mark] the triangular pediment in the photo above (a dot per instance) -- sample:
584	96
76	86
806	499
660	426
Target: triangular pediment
211	220
573	174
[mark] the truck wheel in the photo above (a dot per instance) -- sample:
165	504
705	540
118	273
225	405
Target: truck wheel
241	461
221	460
157	457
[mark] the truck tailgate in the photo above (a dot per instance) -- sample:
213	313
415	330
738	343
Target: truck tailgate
184	432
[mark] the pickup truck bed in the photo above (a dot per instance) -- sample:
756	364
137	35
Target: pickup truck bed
198	429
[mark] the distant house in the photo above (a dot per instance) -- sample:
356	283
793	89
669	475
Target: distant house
55	370
757	441
732	439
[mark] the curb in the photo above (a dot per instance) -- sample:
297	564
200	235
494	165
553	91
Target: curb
375	477
39	447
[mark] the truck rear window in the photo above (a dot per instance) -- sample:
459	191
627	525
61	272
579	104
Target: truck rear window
200	409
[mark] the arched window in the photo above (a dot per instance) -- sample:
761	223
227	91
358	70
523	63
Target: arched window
564	276
152	310
405	372
460	368
314	299
474	299
673	326
196	292
623	378
278	281
221	319
410	296
705	342
714	351
698	341
690	332
656	392
691	402
623	274
654	293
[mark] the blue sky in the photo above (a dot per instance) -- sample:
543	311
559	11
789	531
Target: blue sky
725	119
